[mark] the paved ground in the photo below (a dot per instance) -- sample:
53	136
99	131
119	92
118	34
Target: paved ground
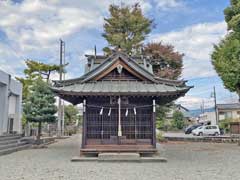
185	161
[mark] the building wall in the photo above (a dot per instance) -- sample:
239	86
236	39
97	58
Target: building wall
208	117
231	114
10	103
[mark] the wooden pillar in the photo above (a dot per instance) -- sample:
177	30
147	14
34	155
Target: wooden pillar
84	127
119	118
154	124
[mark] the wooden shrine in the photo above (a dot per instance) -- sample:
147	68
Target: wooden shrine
119	95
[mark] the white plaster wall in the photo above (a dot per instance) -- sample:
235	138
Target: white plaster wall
208	117
10	105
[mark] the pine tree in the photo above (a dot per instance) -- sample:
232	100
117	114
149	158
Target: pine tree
37	70
126	28
39	106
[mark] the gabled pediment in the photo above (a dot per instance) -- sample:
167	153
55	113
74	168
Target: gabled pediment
116	63
120	71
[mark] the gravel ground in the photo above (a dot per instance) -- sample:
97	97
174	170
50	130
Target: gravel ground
193	161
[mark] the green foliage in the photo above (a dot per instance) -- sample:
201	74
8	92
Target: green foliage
26	83
70	114
166	62
225	124
225	57
126	27
161	116
178	120
39	105
232	15
36	70
160	137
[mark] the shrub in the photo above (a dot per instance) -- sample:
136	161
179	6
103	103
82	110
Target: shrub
160	137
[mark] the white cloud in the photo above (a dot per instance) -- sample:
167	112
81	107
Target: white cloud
196	42
193	102
34	27
169	4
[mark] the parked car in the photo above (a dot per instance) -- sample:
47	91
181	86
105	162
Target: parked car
189	129
207	130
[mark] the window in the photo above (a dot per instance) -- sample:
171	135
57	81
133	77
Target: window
228	115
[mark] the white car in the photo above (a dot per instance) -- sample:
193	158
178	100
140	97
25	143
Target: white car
206	130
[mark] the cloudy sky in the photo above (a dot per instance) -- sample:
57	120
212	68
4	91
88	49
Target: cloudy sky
31	29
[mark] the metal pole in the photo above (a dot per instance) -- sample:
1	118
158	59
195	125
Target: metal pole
215	104
63	59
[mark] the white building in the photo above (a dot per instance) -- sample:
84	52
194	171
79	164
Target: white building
10	104
224	111
207	118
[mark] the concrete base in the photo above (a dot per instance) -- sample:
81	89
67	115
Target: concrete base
119	157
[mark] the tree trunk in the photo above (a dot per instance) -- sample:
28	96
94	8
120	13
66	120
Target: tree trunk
238	93
39	133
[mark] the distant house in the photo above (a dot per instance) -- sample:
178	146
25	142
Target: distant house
178	107
224	111
207	118
228	111
10	104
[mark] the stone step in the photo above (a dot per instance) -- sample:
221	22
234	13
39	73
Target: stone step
6	146
14	149
152	159
119	157
7	141
9	137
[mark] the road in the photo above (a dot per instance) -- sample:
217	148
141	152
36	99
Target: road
185	161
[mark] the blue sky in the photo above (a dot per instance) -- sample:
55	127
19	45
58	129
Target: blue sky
31	29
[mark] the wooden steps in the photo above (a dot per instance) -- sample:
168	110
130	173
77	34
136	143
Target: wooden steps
96	149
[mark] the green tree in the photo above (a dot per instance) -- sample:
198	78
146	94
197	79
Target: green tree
178	119
39	106
161	116
225	56
37	70
70	114
126	27
232	15
166	62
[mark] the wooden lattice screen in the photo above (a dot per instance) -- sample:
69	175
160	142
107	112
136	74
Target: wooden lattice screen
104	126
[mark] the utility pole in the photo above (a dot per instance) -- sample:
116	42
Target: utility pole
215	104
63	108
60	108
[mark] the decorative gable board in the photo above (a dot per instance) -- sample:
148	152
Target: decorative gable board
120	71
124	75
